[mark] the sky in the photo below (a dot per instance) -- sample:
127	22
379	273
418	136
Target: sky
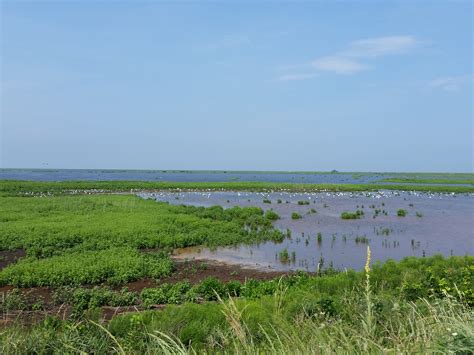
313	86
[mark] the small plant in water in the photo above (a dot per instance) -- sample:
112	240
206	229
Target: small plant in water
284	256
362	240
266	200
295	215
271	215
401	213
352	215
419	214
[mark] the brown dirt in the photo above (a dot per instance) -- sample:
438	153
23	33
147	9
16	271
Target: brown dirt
197	270
8	257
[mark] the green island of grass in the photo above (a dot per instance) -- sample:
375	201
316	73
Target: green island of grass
15	187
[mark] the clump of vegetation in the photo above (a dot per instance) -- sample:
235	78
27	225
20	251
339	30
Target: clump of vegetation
401	213
383	231
284	255
295	215
82	299
319	237
361	239
352	215
266	200
419	214
301	203
271	215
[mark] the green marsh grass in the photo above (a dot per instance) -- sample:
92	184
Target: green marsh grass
15	187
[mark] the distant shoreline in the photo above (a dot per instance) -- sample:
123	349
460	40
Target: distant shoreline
191	171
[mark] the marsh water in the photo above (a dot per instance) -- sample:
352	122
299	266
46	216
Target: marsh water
187	176
214	176
435	224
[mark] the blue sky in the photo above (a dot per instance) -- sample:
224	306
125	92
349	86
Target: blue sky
352	86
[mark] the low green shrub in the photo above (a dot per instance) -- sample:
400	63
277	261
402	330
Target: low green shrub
401	213
295	215
271	215
352	215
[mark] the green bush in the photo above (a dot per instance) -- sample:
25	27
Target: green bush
295	215
271	215
352	215
401	213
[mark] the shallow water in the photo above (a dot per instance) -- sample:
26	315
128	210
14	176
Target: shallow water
445	227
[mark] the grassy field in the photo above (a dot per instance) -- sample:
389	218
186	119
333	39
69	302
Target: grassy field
15	187
86	253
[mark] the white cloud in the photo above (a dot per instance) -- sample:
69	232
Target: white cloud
293	77
449	83
353	59
339	65
380	46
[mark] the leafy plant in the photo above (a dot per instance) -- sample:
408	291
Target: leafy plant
295	215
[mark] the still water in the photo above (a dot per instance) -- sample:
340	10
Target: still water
187	176
434	224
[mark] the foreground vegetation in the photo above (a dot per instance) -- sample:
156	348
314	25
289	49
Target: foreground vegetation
417	305
15	187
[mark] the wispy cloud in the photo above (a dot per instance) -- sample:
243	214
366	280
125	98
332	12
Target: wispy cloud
293	77
449	83
355	57
381	46
339	65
